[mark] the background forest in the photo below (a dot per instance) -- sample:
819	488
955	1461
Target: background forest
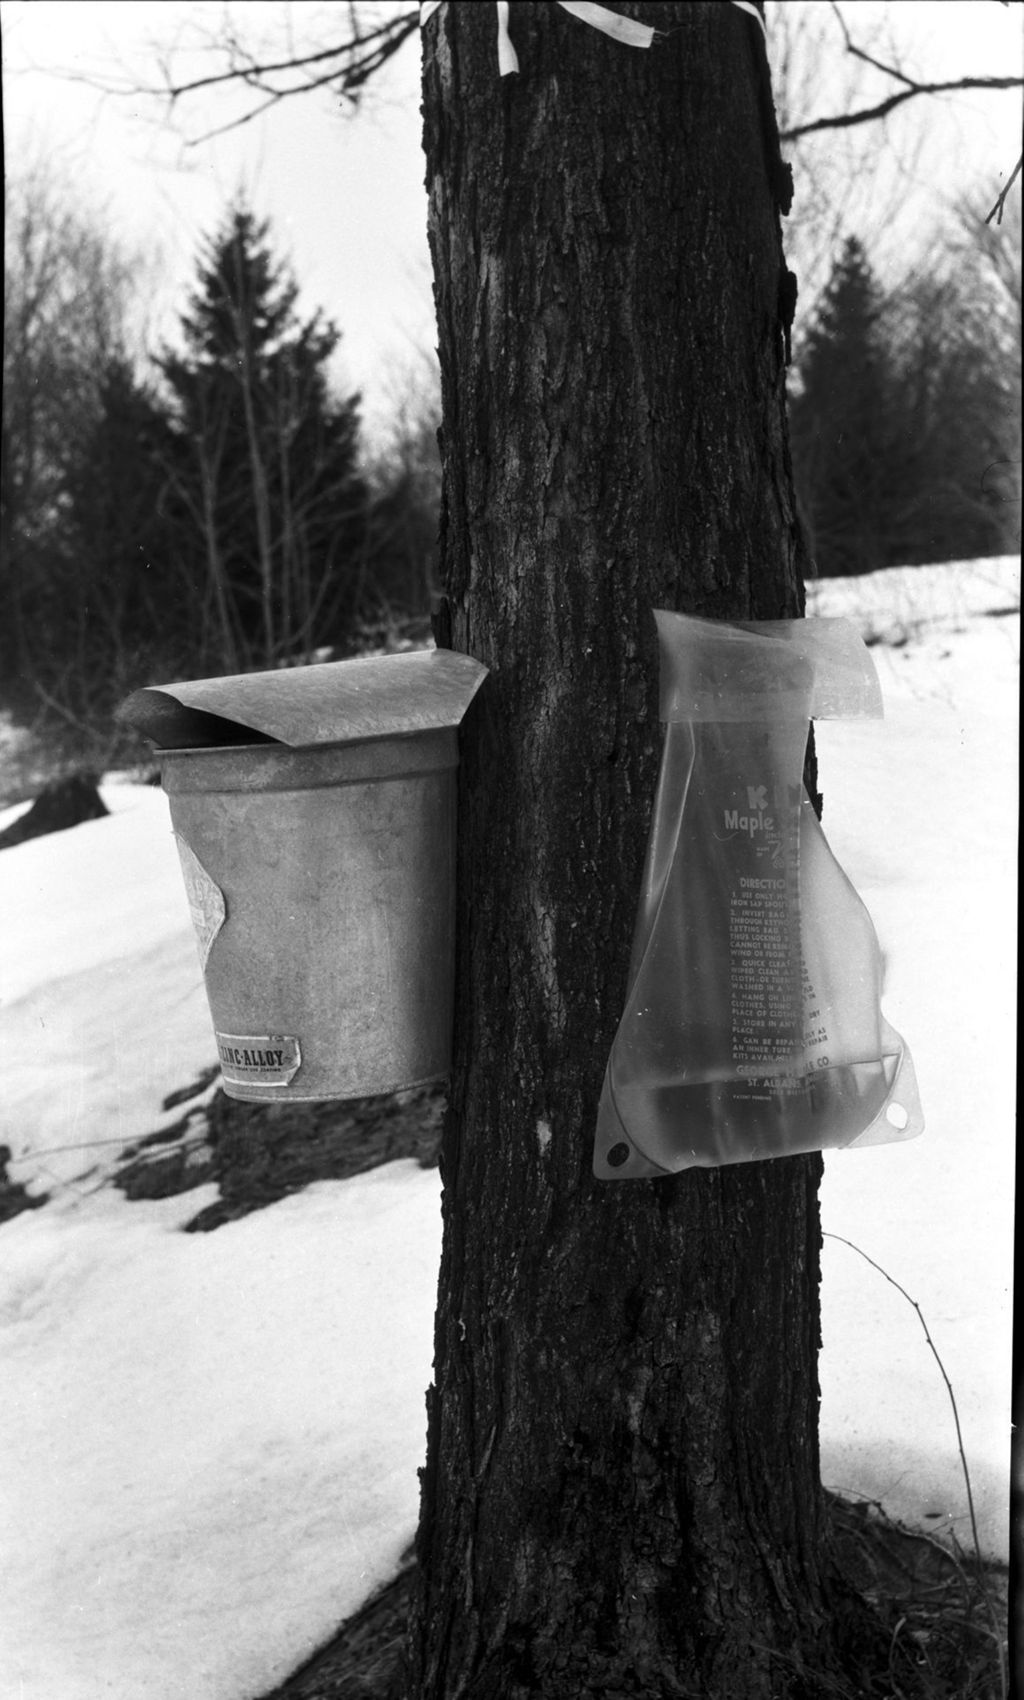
212	506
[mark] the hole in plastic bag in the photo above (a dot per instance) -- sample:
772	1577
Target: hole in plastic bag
896	1116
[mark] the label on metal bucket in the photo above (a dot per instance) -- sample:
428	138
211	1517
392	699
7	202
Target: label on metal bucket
205	900
261	1059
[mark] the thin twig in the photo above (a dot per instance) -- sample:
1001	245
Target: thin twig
997	210
942	1371
959	1433
127	1142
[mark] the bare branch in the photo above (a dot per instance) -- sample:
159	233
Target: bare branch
859	53
346	66
844	120
237	123
349	81
910	88
389	37
997	210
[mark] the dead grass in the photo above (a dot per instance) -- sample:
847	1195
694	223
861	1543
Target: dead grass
930	1626
943	1612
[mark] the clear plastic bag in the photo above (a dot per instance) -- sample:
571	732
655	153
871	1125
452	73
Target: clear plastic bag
752	1026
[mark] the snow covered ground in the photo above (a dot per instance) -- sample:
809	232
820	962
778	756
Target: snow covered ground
211	1440
921	810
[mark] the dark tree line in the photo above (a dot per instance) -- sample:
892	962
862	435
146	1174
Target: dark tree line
215	515
214	510
905	418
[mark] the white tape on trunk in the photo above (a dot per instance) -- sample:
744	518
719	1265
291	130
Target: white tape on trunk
629	31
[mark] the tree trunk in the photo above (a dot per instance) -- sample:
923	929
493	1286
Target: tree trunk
621	1495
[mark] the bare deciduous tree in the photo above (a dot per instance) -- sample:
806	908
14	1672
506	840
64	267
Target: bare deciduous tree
67	314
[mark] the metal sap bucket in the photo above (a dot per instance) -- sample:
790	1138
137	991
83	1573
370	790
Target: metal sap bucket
314	810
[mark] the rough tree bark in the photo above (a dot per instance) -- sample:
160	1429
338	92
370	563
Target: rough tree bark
621	1495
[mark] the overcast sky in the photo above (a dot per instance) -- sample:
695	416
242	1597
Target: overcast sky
345	195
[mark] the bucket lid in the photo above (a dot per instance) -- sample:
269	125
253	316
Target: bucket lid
334	702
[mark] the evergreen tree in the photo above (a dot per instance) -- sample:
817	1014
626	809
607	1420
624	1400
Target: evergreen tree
123	586
264	485
404	515
842	440
907	408
956	416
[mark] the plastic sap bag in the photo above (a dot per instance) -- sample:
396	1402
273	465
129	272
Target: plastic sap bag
752	1027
